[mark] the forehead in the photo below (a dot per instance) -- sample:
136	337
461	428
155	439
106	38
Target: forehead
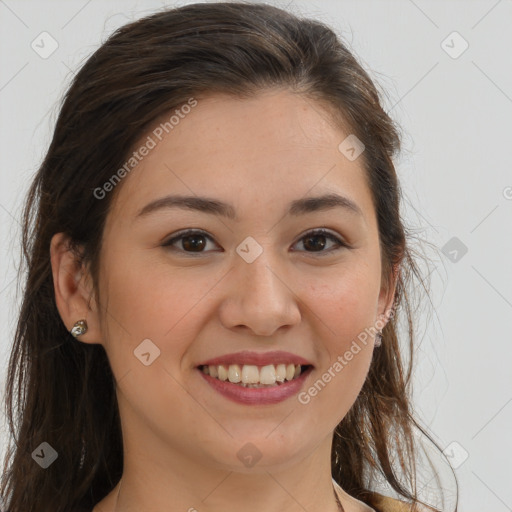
274	146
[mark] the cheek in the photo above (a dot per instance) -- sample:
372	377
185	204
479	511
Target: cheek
343	309
344	300
345	354
149	300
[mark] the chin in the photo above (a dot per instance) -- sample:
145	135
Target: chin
262	453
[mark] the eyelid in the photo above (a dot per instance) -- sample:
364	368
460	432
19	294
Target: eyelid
341	243
182	234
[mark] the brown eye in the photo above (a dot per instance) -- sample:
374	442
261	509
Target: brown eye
192	241
317	240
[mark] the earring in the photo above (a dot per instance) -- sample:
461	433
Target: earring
79	328
378	339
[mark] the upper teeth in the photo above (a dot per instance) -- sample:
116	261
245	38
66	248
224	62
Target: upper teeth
251	374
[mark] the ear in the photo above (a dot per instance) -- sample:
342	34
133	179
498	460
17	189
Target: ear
387	298
74	292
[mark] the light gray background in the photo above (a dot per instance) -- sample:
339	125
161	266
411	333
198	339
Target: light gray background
455	170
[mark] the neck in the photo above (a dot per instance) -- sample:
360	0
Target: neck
291	490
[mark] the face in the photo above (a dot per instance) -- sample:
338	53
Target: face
254	280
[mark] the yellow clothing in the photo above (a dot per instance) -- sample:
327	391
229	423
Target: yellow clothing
380	503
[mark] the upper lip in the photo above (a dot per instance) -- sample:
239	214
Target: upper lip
256	358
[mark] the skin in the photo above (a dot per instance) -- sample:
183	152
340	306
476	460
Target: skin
181	437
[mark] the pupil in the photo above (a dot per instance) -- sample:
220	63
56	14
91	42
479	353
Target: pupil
315	237
195	244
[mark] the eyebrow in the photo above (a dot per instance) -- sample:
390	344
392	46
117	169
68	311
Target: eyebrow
219	208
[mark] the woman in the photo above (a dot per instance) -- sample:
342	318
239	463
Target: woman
216	269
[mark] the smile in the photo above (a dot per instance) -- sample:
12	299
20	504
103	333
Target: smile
253	376
252	385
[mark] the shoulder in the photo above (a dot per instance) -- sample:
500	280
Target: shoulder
383	503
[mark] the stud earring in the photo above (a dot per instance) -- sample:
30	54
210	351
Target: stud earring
79	328
378	339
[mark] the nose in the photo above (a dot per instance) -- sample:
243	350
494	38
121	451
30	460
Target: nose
260	298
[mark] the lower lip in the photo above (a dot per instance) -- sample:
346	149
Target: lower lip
257	396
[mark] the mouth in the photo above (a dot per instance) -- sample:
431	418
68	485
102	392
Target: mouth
254	385
253	376
256	378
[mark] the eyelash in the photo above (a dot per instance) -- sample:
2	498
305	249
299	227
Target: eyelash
314	232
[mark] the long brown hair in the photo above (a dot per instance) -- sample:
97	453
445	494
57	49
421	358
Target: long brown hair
61	391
